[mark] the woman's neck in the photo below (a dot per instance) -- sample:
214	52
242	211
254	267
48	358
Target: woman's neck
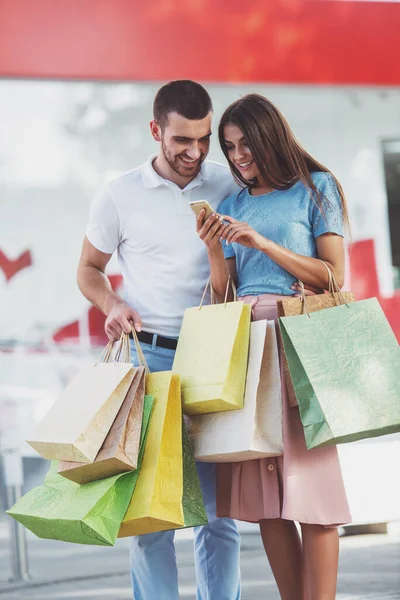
260	188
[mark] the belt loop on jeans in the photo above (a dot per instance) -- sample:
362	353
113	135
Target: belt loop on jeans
154	342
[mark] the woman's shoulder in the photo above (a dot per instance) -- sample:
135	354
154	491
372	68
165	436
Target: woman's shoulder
323	179
228	205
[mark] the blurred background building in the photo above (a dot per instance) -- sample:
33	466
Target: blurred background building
77	80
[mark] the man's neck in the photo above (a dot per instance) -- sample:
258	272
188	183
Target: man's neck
163	169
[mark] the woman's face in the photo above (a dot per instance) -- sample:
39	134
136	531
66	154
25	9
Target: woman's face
239	152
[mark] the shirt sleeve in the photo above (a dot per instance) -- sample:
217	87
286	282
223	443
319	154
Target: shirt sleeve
331	219
229	251
103	229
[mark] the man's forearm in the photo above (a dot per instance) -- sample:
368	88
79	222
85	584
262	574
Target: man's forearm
96	287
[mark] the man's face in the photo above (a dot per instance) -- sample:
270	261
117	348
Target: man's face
185	143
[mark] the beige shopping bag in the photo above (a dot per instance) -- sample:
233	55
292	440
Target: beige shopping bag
77	424
294	307
120	450
256	430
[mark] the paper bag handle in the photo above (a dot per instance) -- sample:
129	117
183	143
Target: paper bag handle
230	282
141	357
333	287
123	348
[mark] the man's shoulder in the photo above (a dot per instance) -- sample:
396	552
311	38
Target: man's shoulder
128	178
221	179
215	170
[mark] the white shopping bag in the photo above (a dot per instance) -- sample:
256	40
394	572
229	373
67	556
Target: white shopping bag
75	427
256	430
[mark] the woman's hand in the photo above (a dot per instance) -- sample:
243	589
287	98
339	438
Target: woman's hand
308	290
242	233
210	230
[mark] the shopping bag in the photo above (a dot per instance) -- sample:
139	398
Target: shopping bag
194	512
293	307
156	504
120	450
256	430
84	514
75	427
211	357
344	363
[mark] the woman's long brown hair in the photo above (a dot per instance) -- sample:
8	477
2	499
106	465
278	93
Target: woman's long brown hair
281	160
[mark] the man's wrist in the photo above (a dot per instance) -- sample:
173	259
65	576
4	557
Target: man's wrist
111	300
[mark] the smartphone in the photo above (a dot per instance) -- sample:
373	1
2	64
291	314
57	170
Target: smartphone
198	206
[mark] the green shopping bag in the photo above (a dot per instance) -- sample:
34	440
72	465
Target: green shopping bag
194	512
345	364
211	357
84	514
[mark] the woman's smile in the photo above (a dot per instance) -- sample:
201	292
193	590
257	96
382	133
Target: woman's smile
243	165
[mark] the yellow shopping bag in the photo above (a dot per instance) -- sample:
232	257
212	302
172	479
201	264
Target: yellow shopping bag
156	504
211	356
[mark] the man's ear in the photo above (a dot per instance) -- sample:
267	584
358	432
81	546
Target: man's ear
155	130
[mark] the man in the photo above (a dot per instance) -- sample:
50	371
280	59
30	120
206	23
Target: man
145	216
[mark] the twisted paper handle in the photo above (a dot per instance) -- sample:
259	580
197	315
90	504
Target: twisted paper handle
141	357
123	348
333	287
230	282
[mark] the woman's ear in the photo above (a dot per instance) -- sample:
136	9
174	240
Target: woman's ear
155	130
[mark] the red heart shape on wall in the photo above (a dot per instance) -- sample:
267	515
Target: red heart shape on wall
11	267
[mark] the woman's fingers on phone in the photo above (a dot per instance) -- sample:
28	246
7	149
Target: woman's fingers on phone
217	224
213	232
200	220
227	228
209	222
203	231
215	229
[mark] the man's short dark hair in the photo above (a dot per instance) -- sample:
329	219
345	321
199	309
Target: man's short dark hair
185	97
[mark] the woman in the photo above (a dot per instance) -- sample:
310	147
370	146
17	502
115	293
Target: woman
277	230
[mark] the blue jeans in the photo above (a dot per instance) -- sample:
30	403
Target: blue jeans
216	545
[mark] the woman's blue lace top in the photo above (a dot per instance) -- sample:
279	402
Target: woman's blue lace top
288	217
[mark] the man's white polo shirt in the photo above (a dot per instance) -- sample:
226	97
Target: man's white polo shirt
148	220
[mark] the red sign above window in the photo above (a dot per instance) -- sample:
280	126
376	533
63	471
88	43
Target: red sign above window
278	41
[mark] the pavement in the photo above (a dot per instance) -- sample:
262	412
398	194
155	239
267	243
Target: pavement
369	569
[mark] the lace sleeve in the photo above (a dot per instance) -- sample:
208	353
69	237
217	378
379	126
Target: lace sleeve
331	220
229	251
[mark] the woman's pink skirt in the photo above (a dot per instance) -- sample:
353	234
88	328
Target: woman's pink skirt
302	485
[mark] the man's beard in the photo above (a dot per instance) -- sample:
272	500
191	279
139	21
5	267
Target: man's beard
176	164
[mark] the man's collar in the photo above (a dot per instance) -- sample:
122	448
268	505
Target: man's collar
151	179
